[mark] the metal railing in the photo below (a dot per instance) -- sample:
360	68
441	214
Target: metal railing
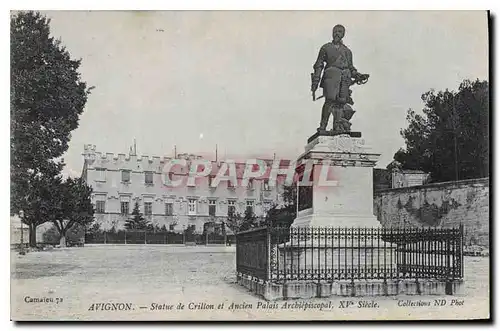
158	237
328	254
252	253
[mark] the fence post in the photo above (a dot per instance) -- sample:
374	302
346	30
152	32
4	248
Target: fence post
125	237
206	238
104	237
461	250
268	253
145	240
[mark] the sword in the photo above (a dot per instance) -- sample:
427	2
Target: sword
314	92
314	96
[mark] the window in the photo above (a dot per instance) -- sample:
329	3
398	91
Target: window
100	207
169	209
125	176
212	207
250	184
148	177
171	226
250	206
101	174
192	207
265	185
210	180
231	207
124	207
148	208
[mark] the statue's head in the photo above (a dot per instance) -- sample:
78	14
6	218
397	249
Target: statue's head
338	33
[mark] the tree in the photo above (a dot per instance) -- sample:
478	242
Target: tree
283	215
451	139
234	221
47	96
75	207
40	203
237	223
74	234
249	220
92	231
137	222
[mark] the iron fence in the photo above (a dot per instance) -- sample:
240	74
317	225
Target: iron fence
328	254
167	238
252	253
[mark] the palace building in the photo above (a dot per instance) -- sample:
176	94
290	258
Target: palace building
119	181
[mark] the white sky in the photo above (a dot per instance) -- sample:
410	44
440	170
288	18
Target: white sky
241	79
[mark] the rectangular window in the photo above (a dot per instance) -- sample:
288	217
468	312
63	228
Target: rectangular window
101	174
169	209
250	206
100	207
148	208
265	185
124	207
250	184
231	207
192	207
148	177
212	207
125	176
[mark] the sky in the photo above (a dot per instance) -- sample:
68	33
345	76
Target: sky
241	79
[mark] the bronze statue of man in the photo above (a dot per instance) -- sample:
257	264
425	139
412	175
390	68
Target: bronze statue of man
335	63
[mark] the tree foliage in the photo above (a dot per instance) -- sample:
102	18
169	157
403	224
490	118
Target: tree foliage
47	96
234	221
283	215
73	206
249	221
451	139
137	221
237	222
40	203
73	235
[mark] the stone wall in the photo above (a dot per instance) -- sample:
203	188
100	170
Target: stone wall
441	204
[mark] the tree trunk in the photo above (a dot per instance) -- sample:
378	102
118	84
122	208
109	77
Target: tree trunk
62	241
32	235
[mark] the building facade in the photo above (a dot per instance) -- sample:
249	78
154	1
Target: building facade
119	181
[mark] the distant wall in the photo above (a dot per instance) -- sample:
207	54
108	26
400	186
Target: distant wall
441	204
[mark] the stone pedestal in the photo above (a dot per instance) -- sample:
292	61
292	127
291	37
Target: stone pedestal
345	198
339	195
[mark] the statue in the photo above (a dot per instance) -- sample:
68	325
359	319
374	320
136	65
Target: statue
338	75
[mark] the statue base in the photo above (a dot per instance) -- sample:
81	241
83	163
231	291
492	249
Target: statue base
329	133
348	202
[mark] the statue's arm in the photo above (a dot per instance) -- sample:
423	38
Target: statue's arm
358	77
318	68
354	71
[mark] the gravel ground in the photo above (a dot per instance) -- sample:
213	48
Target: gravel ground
197	277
